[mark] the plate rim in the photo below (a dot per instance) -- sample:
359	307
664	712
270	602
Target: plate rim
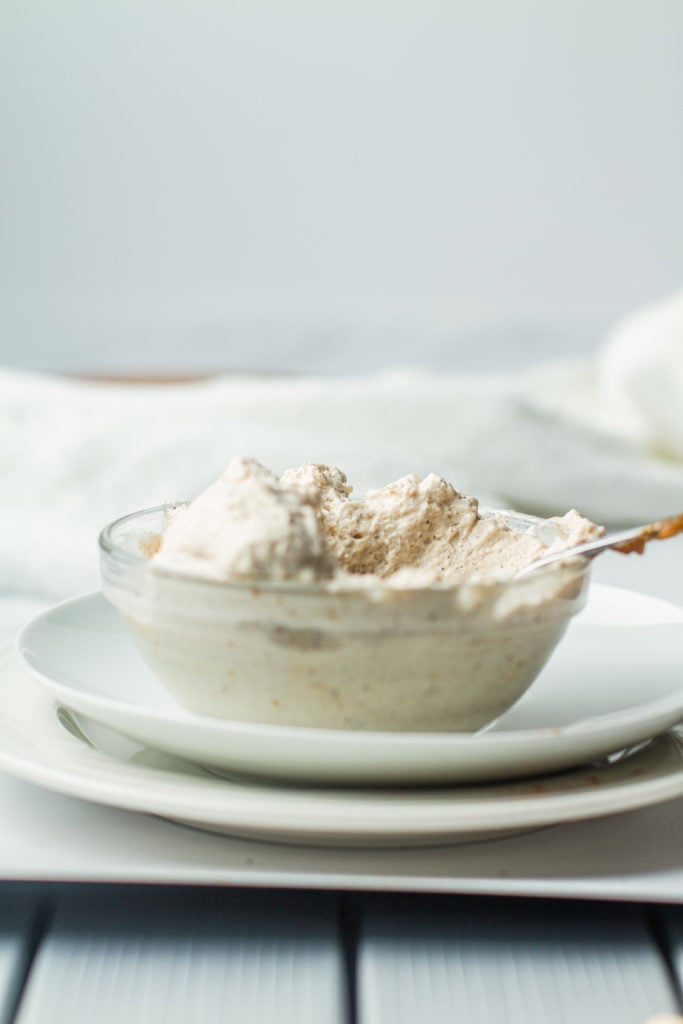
184	717
92	704
286	814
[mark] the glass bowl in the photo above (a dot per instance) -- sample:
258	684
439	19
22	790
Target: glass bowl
449	657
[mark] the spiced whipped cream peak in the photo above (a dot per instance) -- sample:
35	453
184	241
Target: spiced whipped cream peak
246	525
307	527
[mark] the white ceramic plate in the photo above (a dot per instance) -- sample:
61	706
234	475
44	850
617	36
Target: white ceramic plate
35	747
615	680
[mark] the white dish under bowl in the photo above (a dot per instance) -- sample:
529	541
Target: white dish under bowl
615	681
34	747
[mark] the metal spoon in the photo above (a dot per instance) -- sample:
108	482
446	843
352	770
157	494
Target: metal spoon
626	541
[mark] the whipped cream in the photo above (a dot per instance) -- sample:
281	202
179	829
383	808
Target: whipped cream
306	527
386	638
246	525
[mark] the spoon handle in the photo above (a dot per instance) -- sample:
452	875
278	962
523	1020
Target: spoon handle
668	527
626	541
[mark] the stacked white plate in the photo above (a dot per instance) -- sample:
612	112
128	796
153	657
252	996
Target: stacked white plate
81	713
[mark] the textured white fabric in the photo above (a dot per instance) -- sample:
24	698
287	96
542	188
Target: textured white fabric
75	454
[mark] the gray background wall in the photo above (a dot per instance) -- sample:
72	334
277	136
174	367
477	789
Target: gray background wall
318	185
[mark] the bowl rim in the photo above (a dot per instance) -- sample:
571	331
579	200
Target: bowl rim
578	566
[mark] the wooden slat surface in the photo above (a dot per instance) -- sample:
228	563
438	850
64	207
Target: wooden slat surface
168	955
141	956
509	962
21	913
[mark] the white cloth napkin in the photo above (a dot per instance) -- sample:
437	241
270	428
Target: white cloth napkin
601	434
